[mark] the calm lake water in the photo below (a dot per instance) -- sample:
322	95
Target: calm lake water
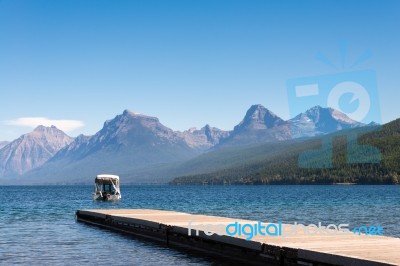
37	223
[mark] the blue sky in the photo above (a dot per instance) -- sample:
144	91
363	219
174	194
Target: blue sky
187	62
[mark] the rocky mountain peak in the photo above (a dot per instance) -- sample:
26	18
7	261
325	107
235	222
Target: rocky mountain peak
128	120
127	112
318	114
321	120
204	138
51	130
39	128
259	117
32	150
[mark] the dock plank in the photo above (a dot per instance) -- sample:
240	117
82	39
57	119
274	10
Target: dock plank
348	249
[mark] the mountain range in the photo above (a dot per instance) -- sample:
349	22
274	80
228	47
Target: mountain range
133	144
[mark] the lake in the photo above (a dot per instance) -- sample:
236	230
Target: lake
37	223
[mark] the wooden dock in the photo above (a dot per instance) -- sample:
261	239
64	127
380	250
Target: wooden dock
179	230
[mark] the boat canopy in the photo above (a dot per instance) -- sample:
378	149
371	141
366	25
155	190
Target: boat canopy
106	179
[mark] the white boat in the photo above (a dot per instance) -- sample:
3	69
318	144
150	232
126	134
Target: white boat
106	187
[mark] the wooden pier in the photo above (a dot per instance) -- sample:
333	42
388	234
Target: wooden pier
193	232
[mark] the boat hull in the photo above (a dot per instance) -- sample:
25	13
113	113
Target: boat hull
106	197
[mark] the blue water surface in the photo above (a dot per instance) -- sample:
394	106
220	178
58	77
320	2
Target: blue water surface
37	223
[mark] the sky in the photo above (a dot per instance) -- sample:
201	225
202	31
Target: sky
75	64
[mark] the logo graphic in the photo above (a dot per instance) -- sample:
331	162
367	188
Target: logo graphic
352	93
250	230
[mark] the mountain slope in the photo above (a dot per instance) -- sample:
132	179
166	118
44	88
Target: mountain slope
31	150
125	144
3	143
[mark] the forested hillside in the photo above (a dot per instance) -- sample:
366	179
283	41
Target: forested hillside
283	166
